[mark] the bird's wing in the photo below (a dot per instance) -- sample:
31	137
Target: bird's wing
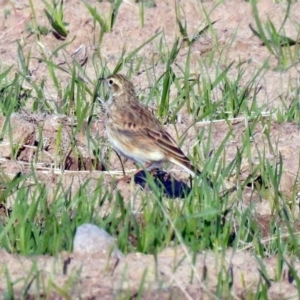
137	120
138	126
171	149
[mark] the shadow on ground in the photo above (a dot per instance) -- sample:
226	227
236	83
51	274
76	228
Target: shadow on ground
162	180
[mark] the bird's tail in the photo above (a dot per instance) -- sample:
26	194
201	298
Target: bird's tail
187	166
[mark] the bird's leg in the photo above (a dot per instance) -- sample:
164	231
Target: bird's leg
127	178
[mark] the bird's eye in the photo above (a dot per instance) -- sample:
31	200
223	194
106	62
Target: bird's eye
110	81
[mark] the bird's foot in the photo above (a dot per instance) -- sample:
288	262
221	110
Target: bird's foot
137	176
125	179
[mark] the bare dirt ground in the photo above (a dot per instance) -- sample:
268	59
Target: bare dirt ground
233	17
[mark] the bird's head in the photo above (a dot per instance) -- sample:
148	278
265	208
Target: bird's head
119	85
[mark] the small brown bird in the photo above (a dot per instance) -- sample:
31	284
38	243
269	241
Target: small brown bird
134	131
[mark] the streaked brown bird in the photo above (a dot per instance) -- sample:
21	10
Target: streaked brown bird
135	132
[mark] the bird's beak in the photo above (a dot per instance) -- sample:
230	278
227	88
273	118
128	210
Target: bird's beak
102	79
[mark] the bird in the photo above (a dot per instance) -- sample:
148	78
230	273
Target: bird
134	131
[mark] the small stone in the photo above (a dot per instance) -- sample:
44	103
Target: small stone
90	239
